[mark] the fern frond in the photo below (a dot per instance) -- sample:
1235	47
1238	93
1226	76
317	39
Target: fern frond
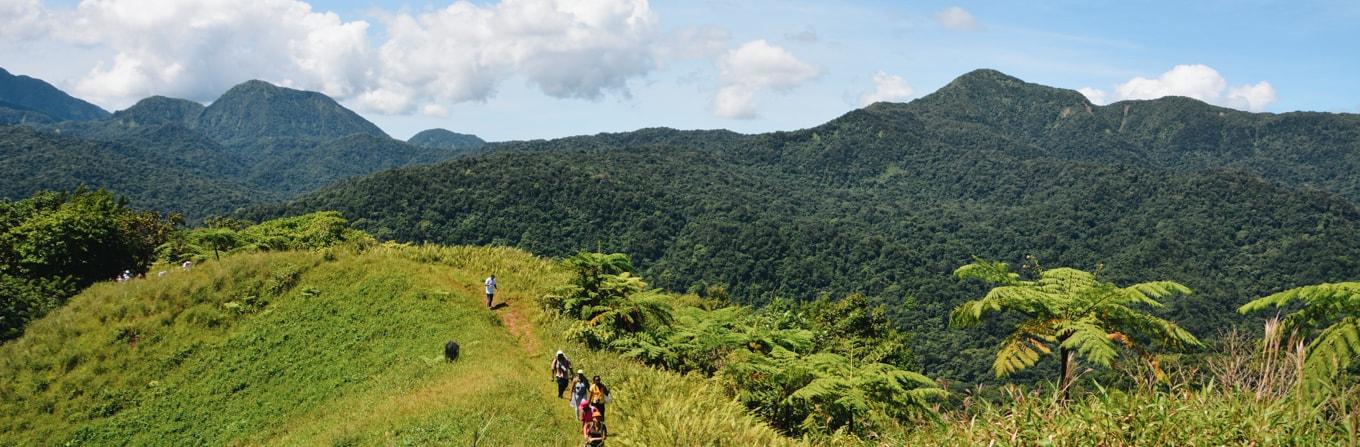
1339	294
1089	341
987	271
1017	352
1332	352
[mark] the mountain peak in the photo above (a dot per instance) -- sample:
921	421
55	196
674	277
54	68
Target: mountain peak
160	110
257	109
445	139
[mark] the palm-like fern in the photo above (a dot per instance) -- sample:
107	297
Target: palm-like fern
843	393
1071	310
1335	308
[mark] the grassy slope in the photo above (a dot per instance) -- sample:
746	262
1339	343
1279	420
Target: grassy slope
341	349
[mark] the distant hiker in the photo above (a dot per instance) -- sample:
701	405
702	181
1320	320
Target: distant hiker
593	428
561	372
490	290
160	273
186	265
580	391
599	394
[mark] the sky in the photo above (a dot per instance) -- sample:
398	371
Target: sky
525	69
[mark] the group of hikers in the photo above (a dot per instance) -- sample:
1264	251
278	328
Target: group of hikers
588	398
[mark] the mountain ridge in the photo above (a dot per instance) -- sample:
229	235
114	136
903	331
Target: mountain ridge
40	96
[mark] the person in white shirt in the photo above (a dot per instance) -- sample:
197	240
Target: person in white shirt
490	290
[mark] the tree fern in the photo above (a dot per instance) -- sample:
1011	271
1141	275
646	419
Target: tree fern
1330	316
1071	309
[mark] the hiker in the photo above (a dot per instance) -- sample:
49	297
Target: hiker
490	290
593	427
580	390
599	394
186	265
561	370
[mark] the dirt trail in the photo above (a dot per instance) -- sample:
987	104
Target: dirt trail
511	315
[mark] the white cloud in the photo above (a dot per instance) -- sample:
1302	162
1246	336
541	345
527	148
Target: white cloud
1251	97
1194	81
957	18
754	67
197	49
1095	95
22	19
887	88
565	48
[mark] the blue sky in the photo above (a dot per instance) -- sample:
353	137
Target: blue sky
549	68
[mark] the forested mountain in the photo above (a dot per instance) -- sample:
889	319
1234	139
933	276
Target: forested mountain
33	160
889	199
22	93
258	143
445	139
258	110
160	110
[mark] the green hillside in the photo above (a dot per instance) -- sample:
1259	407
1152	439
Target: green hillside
33	160
26	93
889	199
332	348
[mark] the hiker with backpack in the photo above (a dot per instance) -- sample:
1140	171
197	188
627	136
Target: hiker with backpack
592	425
599	394
580	391
561	371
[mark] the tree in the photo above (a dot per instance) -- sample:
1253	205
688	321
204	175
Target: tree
1070	309
219	239
844	392
56	243
1333	307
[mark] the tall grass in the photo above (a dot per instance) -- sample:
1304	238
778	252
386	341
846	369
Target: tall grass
1244	397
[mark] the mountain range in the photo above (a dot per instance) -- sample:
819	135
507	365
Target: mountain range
257	143
887	200
884	201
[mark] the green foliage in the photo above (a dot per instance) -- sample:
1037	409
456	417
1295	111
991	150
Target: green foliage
1071	310
1329	315
313	231
777	361
55	243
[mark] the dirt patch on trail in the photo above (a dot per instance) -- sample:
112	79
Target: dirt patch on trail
514	320
511	316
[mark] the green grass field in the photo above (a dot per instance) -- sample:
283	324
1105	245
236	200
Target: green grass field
333	348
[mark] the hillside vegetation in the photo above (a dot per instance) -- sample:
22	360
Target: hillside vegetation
331	347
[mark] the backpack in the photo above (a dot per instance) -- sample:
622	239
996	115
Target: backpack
595	428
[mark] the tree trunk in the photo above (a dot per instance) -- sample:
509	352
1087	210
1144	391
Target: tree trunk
1064	372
